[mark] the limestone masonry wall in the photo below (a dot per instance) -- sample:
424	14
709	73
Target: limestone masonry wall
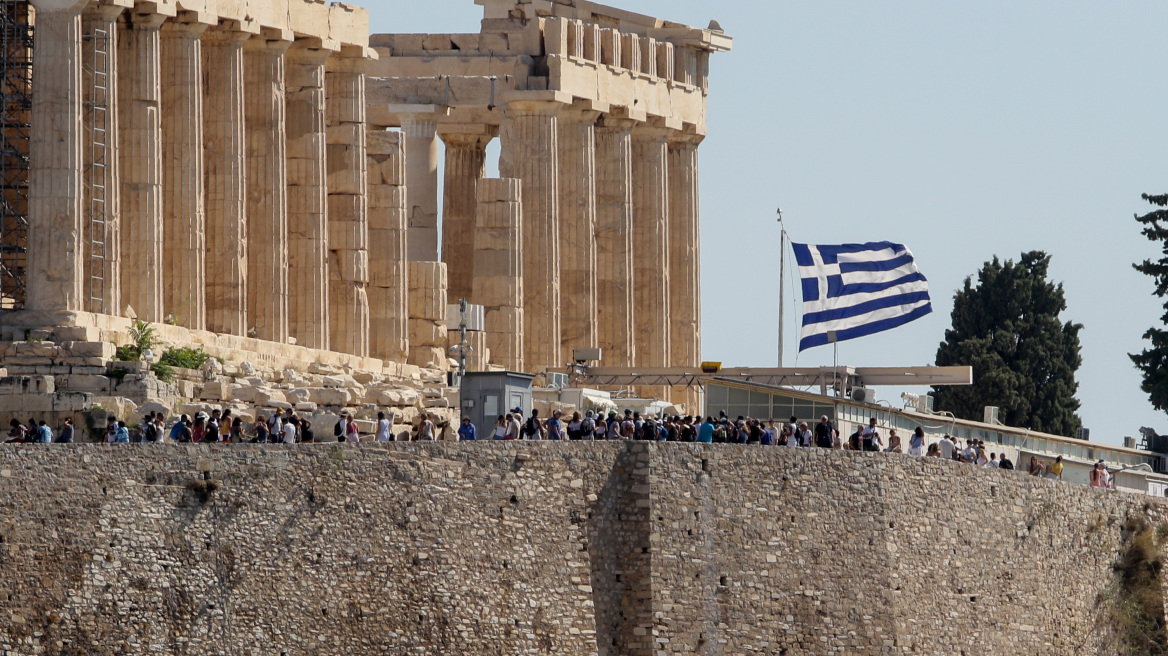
546	548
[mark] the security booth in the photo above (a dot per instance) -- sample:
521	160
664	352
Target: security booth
488	394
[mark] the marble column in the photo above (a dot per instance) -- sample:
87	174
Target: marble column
184	214
224	162
685	317
421	146
55	266
614	241
267	193
498	266
348	204
651	236
577	142
388	269
102	234
530	153
466	158
308	272
140	152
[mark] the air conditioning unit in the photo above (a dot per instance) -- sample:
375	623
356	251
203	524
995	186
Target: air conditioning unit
924	404
864	394
1129	442
1084	433
557	381
990	415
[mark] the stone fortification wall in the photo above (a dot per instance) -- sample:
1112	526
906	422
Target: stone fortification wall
517	548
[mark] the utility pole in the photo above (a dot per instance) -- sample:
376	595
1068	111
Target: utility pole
782	277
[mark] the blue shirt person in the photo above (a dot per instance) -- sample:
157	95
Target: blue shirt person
467	432
706	431
554	427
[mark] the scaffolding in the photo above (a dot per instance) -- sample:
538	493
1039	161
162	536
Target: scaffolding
96	177
16	33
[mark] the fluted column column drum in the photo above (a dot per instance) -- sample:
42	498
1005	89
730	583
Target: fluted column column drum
577	143
224	163
614	241
650	233
466	157
348	205
140	152
308	273
685	296
184	214
388	262
530	153
267	192
55	264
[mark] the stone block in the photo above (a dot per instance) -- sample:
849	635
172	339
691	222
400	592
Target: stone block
89	349
192	409
427	304
329	396
498	291
155	407
504	320
242	394
27	385
346	234
85	383
352	266
305	406
346	208
349	24
491	190
428	357
424	332
267	397
428	275
215	391
298	395
77	334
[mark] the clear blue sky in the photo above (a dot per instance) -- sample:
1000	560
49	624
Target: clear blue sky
964	130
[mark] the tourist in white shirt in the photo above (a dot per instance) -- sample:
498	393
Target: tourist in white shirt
946	447
382	428
289	432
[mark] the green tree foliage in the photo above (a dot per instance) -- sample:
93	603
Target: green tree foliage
1007	327
1153	362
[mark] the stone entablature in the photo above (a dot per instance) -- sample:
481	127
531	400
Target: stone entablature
614	61
337	25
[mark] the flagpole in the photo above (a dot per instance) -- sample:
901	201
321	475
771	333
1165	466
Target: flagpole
782	277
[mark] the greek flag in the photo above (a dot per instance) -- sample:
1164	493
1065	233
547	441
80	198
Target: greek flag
852	290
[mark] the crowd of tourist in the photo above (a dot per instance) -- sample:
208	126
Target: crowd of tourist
222	427
288	428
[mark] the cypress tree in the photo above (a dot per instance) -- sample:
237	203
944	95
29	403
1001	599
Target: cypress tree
1153	362
1024	358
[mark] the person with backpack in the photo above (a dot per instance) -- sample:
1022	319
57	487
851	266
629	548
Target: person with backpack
340	428
587	427
532	428
44	433
149	430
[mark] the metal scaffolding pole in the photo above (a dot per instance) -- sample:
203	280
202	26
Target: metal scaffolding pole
16	34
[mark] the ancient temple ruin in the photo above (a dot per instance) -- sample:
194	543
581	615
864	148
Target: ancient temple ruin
259	177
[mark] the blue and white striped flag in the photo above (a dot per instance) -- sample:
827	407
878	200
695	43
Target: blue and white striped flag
852	290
